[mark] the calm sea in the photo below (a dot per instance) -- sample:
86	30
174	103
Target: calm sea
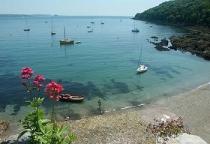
102	67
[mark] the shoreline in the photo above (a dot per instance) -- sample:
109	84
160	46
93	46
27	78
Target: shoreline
192	105
174	106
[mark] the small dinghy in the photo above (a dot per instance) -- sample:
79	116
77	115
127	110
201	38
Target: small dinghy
53	33
27	29
71	98
90	31
141	69
135	30
78	42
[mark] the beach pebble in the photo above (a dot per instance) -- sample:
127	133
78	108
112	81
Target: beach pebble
187	139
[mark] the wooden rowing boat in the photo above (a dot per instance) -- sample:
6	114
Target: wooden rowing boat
70	98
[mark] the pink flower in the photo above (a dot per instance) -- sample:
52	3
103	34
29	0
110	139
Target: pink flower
53	90
26	73
38	81
39	78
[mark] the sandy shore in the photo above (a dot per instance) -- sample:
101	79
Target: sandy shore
129	125
194	107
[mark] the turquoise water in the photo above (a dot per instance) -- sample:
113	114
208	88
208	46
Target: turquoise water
102	67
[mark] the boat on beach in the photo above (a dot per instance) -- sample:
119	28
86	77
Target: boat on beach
71	98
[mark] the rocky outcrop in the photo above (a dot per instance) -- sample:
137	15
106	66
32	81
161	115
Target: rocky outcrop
163	45
197	41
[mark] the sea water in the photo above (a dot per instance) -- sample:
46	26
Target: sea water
103	67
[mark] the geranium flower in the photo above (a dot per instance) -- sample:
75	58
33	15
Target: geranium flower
26	73
38	81
54	90
39	78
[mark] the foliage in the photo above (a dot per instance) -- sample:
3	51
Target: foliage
186	12
168	128
40	129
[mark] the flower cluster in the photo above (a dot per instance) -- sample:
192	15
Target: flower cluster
169	128
26	73
38	80
54	90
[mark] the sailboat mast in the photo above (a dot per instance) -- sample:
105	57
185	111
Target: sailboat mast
26	21
140	55
51	25
64	33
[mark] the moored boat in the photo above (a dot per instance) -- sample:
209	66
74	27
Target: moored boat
77	42
135	30
53	33
71	98
27	29
142	69
66	41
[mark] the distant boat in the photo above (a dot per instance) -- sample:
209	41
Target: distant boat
27	29
90	31
88	26
52	28
78	42
92	22
26	23
102	23
66	41
135	30
53	33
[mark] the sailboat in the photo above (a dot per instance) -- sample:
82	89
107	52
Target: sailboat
135	30
66	41
90	31
141	67
52	28
27	27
